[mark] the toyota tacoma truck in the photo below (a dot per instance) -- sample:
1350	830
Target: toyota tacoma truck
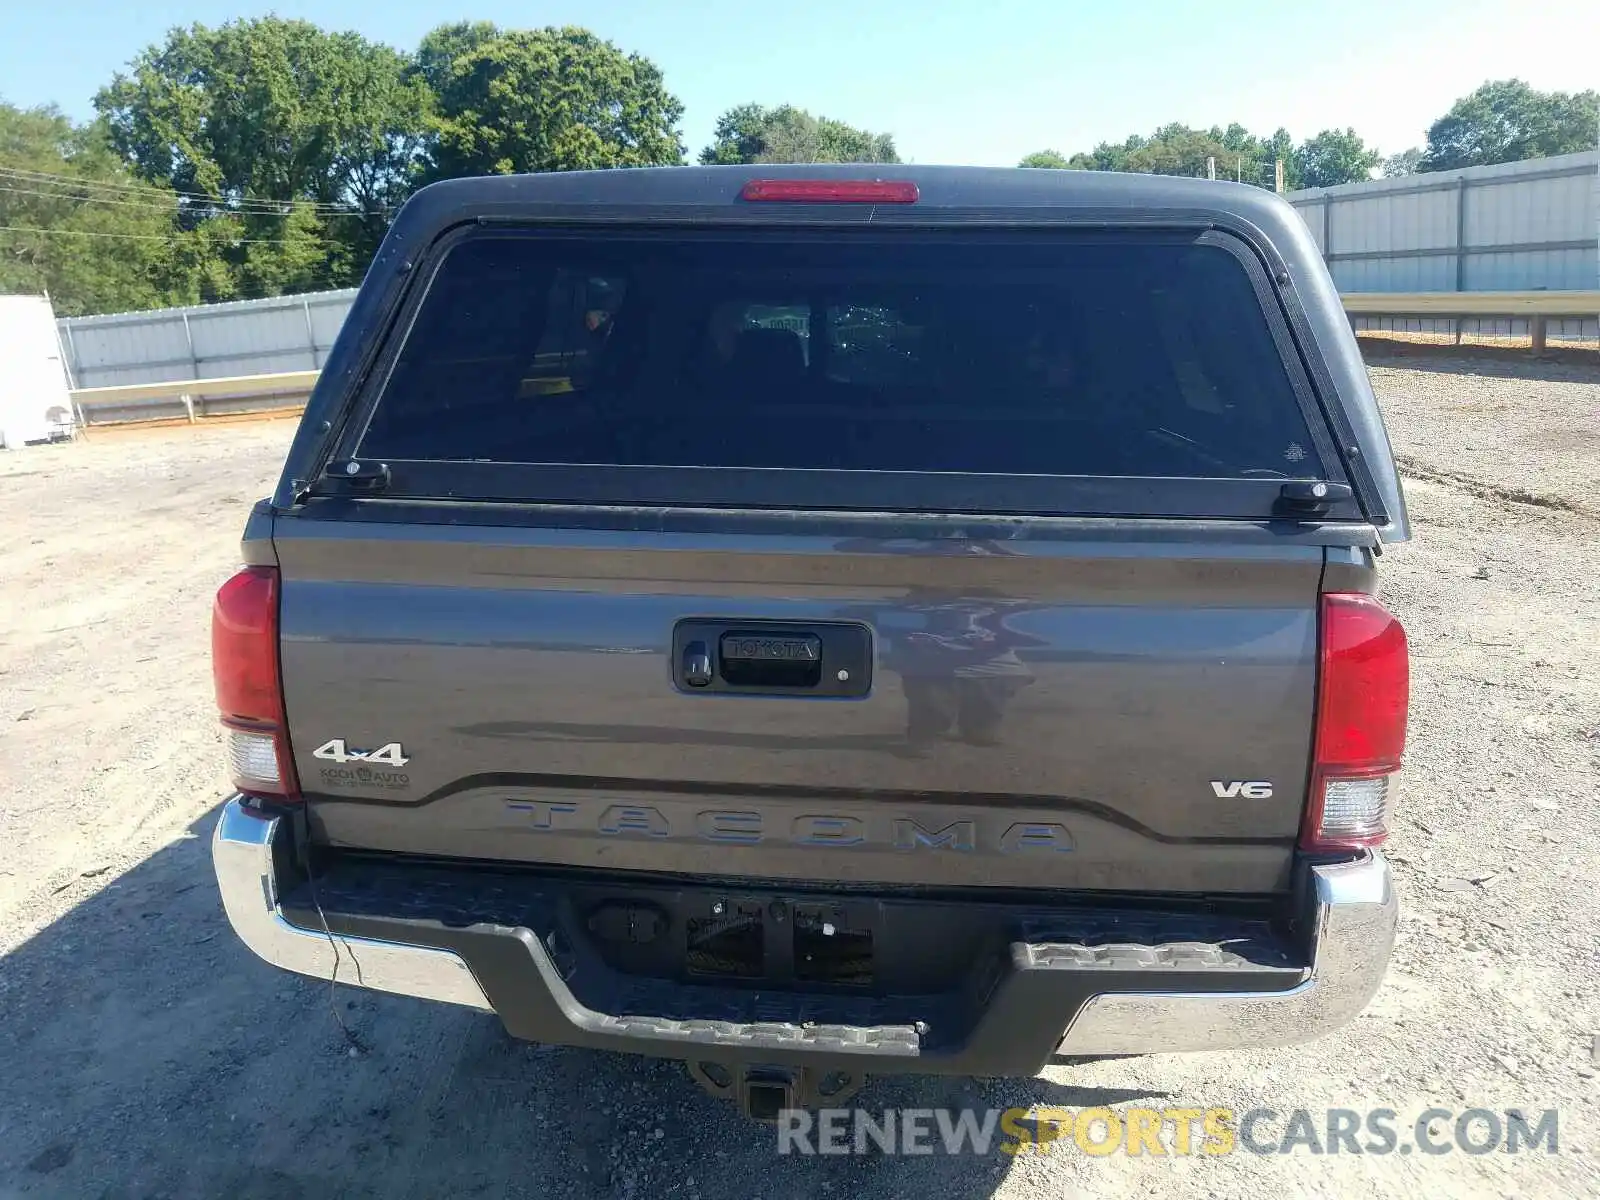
819	621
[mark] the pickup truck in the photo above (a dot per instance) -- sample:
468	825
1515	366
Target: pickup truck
810	622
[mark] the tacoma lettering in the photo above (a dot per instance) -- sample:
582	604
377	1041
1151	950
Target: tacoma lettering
748	828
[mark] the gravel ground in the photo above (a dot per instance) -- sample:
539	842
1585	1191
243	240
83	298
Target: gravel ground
146	1053
1529	435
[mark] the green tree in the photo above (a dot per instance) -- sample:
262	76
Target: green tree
79	227
446	43
378	135
1104	157
1507	121
739	137
1050	159
1280	148
251	118
753	133
293	259
1238	140
1407	162
1333	157
514	100
1177	149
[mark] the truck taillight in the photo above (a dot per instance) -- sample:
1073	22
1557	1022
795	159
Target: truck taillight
1362	695
244	666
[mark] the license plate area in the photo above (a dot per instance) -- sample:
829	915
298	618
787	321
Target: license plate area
760	940
780	941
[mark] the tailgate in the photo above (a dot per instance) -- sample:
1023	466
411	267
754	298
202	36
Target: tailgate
1042	713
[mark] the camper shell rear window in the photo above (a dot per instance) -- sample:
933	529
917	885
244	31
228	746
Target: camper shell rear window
949	370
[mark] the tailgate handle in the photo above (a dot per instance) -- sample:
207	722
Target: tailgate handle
767	659
824	659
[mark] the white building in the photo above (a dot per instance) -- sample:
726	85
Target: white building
34	403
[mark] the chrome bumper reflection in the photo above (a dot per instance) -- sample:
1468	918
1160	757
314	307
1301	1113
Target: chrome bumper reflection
242	853
1353	914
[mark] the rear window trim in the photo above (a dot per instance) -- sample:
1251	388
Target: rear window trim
531	483
773	488
379	511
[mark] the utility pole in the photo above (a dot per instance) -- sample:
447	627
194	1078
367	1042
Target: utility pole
1238	169
1277	176
1211	167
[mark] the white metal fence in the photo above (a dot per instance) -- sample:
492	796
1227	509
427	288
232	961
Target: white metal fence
1513	227
208	341
1524	226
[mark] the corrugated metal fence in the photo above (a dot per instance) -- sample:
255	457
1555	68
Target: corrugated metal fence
1513	227
206	341
1521	226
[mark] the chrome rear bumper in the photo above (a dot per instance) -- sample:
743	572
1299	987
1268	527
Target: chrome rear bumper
242	850
1353	916
1352	912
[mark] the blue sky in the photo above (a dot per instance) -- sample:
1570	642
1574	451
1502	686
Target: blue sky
976	82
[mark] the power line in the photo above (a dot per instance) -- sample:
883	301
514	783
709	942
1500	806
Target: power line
167	209
161	208
244	203
53	179
135	237
168	202
66	188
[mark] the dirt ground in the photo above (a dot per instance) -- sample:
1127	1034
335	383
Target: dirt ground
146	1053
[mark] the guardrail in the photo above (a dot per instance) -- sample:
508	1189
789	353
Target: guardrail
194	400
236	396
1536	307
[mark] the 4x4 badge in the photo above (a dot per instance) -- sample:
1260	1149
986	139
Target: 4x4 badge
388	755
